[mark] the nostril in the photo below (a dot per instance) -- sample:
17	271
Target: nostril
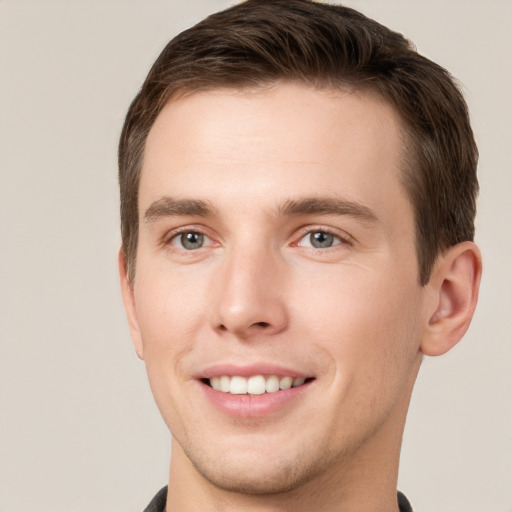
264	325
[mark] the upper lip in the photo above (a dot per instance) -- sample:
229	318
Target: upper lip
248	370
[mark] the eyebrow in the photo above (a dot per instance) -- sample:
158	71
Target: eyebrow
168	206
326	206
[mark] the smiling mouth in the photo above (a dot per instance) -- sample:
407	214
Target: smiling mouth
254	385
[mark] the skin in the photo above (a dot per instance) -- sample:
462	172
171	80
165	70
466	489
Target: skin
353	315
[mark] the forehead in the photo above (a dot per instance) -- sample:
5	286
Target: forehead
287	139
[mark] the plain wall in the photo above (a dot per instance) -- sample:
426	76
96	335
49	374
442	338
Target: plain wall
78	427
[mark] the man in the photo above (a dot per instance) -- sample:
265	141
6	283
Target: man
298	193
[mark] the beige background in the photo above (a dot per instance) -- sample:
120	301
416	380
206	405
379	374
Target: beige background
78	427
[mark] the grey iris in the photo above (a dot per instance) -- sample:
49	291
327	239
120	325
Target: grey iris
192	240
319	239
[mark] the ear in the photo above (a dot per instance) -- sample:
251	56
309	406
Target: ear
454	285
129	304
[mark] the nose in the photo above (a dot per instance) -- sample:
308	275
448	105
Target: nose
249	299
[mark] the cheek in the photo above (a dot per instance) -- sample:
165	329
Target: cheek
169	312
369	331
368	324
163	311
168	306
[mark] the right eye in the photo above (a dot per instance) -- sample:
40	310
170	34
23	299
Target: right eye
190	240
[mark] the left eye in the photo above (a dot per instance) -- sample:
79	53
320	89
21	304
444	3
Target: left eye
319	240
190	240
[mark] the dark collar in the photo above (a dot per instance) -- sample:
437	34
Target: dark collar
403	503
158	502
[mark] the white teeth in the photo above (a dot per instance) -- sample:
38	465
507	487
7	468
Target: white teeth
255	385
272	384
298	382
215	383
224	383
238	386
286	383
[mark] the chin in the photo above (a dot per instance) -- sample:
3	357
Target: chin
263	475
248	481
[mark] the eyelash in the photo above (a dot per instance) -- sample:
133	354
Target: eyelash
175	234
343	240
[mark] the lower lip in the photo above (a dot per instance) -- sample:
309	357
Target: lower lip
254	406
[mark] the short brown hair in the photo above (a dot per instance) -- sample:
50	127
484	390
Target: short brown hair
259	42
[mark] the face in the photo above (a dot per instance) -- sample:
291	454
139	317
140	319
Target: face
276	249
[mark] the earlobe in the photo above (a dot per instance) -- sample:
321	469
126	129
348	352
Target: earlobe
455	282
129	305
